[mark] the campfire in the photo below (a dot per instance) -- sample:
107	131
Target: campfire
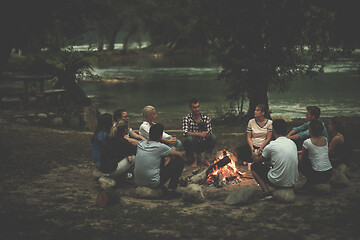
221	172
223	169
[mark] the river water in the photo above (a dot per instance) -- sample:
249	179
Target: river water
168	83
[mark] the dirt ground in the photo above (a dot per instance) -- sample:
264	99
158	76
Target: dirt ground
48	192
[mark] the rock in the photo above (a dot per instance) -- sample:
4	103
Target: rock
106	182
193	193
320	189
42	115
91	117
149	193
245	195
56	121
339	179
284	195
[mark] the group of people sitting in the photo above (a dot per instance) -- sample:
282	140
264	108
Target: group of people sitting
154	155
304	149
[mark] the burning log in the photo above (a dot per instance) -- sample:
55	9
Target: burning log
225	160
217	165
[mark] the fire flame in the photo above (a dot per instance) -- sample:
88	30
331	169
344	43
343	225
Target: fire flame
229	171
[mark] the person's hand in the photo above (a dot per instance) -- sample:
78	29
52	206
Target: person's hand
254	155
204	134
173	141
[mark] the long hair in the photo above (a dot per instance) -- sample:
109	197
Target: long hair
119	129
104	124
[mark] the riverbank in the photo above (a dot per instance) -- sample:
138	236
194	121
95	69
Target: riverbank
48	192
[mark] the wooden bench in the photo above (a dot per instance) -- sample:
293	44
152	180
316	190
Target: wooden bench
43	97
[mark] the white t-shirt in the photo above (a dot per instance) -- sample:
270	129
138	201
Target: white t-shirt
258	134
283	157
318	155
144	130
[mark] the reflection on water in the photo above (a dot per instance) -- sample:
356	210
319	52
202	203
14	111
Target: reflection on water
168	84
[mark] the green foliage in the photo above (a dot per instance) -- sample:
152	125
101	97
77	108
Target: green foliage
260	43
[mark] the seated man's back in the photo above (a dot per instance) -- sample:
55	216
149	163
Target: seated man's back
284	160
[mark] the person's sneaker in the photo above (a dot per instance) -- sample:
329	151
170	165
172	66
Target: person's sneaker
265	196
172	194
129	175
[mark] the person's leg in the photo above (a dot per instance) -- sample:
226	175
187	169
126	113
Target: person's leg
172	171
244	154
188	144
305	168
209	147
178	145
259	172
123	166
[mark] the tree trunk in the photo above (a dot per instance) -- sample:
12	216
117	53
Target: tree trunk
101	41
126	41
112	40
258	89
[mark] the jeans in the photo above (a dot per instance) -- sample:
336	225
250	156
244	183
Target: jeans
172	171
197	145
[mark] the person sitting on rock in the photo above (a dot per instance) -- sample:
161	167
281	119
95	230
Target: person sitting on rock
117	155
132	136
99	137
151	169
259	132
149	113
314	161
337	148
198	134
299	134
278	163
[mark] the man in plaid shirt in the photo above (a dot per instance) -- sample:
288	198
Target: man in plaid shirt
198	134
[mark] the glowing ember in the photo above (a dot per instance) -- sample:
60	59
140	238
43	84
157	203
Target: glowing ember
224	169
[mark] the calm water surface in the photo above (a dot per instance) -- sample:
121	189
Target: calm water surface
168	84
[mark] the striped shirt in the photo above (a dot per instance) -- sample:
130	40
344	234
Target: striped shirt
258	134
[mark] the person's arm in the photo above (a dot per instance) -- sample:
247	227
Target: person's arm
173	152
258	158
132	140
292	132
334	142
293	137
250	142
197	134
301	132
267	140
303	154
135	135
171	141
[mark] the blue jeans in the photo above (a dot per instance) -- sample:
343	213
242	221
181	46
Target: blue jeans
197	145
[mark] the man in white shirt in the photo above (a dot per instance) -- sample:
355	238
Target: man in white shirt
282	168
